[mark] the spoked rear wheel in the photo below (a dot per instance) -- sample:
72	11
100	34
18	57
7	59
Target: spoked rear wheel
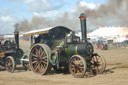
10	64
98	64
39	59
77	66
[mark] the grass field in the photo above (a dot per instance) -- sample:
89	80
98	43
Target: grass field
116	72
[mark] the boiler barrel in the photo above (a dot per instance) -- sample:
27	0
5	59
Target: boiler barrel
83	49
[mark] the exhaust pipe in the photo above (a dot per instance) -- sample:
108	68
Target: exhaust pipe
17	39
83	27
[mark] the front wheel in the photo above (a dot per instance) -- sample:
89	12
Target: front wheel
10	64
77	66
25	64
98	64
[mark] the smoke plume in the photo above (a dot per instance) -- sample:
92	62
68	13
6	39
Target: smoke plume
113	13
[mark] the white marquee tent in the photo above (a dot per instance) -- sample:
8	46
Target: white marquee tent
109	31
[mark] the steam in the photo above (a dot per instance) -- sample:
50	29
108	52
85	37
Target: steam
113	13
42	22
111	8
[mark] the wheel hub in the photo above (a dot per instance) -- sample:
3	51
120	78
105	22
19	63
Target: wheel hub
76	66
38	59
96	63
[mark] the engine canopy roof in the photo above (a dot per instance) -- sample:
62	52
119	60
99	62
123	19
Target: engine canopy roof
50	31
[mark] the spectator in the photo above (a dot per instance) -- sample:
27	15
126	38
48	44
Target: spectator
0	41
98	43
115	41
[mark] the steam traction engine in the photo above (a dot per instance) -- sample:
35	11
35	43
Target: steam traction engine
10	53
60	48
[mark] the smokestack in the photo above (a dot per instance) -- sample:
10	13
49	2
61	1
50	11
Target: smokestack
83	27
17	39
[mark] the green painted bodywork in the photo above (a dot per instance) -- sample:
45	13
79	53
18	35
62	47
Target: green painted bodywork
63	57
58	50
58	43
71	50
54	58
59	46
63	50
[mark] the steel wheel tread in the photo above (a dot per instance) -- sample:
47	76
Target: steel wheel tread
10	64
98	64
77	66
39	59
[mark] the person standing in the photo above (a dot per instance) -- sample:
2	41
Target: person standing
0	41
115	41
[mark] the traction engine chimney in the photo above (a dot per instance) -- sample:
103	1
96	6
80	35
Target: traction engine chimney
17	39
83	27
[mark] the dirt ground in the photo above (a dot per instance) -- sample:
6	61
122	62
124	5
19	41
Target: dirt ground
116	73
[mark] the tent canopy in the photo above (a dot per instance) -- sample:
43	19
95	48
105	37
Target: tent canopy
109	31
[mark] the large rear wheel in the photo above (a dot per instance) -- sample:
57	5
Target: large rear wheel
77	66
39	59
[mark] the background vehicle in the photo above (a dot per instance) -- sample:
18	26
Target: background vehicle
10	53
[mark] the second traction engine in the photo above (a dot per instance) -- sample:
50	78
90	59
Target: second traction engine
11	53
